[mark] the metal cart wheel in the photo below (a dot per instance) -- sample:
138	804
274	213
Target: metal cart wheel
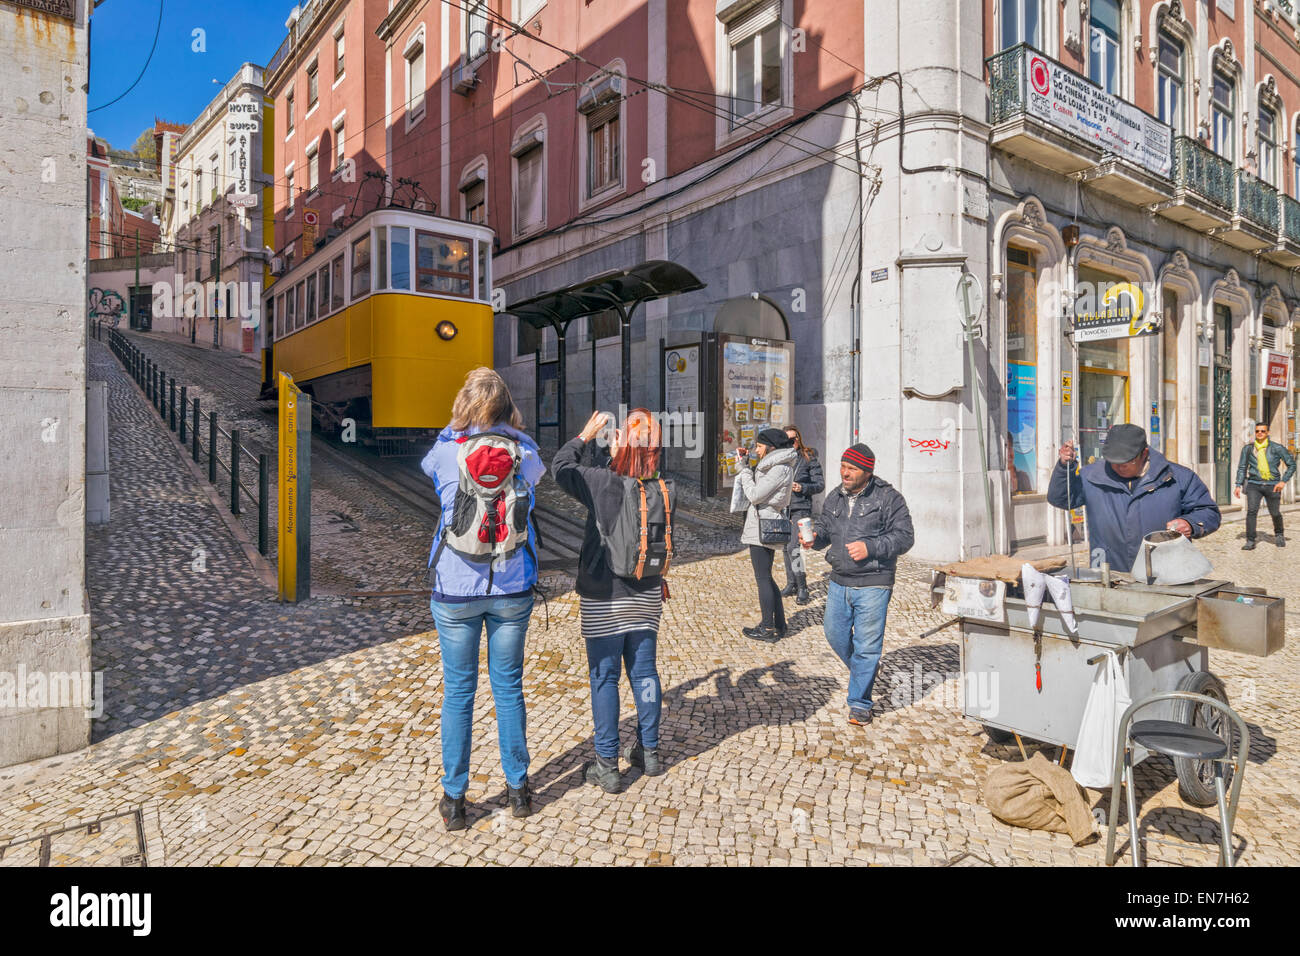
999	736
1196	777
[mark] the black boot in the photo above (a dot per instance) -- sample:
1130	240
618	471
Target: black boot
453	812
521	800
604	774
801	580
790	589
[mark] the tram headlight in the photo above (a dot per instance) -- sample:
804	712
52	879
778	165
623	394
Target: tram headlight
446	330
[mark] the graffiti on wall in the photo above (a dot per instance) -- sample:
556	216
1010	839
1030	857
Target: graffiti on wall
106	306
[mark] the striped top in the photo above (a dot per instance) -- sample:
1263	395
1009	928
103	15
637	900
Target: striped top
608	618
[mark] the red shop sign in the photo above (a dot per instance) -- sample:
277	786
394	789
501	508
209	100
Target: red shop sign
1277	370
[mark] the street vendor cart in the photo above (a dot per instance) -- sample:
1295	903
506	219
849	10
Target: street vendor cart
1033	681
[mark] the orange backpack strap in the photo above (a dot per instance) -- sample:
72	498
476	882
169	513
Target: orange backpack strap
641	553
668	526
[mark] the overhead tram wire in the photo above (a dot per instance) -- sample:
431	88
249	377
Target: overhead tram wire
149	59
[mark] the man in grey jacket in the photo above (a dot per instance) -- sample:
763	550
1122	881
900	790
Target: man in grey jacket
866	523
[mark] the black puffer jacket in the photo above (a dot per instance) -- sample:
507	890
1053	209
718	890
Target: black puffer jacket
879	517
808	476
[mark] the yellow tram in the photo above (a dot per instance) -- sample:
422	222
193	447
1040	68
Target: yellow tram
382	321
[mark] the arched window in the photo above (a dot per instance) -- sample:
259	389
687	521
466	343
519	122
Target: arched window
1223	111
1171	81
1267	145
1104	44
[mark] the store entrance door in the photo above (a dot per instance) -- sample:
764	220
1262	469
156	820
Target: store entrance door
1222	434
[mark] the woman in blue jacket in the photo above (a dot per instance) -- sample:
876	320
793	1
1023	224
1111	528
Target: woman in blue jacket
469	596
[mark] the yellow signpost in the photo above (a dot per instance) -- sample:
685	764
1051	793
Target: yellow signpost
294	510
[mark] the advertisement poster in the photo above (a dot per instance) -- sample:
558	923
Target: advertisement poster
1064	99
1118	312
757	393
548	394
1022	425
1277	370
682	379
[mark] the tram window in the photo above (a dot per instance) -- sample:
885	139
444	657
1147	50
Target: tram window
299	307
381	273
336	283
483	277
442	264
311	299
401	253
360	267
323	285
279	313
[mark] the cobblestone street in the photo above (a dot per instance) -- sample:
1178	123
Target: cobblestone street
245	732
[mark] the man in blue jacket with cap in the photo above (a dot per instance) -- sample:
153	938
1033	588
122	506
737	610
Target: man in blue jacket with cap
1131	493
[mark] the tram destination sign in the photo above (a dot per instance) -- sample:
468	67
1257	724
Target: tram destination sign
1068	101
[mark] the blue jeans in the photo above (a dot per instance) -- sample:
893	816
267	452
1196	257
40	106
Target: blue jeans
636	651
459	628
855	629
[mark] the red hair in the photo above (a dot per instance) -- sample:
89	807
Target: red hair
637	454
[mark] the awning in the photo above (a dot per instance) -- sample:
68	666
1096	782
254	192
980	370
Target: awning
620	290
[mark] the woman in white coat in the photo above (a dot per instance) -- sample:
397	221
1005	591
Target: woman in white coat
766	486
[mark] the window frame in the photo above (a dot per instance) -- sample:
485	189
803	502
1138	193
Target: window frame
1099	68
612	162
313	85
735	23
1230	117
529	138
476	14
340	54
1018	7
288	114
1165	77
364	269
1267	169
414	47
418	272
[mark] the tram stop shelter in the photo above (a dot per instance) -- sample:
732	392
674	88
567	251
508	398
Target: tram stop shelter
621	291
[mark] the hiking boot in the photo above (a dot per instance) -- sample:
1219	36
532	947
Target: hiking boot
453	812
859	717
754	631
764	633
801	582
521	800
604	774
1281	541
1248	546
790	589
647	760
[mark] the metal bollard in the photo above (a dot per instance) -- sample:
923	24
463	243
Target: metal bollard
148	380
162	394
185	405
195	431
171	405
234	472
212	448
263	534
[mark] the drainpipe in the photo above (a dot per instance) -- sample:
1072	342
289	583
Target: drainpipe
855	293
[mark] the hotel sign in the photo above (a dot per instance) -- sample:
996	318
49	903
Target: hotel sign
57	8
1064	99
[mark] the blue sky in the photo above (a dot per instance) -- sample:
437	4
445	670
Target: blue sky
178	81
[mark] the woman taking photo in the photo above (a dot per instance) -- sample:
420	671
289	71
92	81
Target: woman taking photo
483	568
766	486
808	481
620	615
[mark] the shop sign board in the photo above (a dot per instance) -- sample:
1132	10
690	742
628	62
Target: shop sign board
1062	98
1277	370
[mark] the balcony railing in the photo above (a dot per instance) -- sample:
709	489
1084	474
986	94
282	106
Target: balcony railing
1006	84
1255	200
1203	172
1290	212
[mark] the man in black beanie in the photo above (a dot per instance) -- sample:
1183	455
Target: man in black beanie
866	523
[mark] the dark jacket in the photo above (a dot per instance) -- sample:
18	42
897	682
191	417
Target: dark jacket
1120	517
601	491
808	476
878	516
1248	467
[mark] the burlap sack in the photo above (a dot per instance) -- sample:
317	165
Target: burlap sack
1039	795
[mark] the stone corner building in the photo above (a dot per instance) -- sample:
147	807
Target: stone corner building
846	164
44	624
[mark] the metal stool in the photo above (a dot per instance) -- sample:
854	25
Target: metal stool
1183	741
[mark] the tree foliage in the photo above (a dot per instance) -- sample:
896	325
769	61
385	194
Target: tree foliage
144	145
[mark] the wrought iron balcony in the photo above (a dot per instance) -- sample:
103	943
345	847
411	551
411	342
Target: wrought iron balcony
1255	200
1289	212
1200	171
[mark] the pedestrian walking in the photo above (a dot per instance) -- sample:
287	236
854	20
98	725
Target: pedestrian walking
1260	472
626	548
765	484
808	481
866	524
1132	492
483	569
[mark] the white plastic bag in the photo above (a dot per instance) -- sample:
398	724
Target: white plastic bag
738	500
1094	751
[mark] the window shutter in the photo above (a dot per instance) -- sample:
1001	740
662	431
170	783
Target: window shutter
746	24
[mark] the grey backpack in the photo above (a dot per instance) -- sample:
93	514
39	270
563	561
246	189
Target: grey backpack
640	542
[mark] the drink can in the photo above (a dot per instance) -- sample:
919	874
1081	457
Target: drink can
806	534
